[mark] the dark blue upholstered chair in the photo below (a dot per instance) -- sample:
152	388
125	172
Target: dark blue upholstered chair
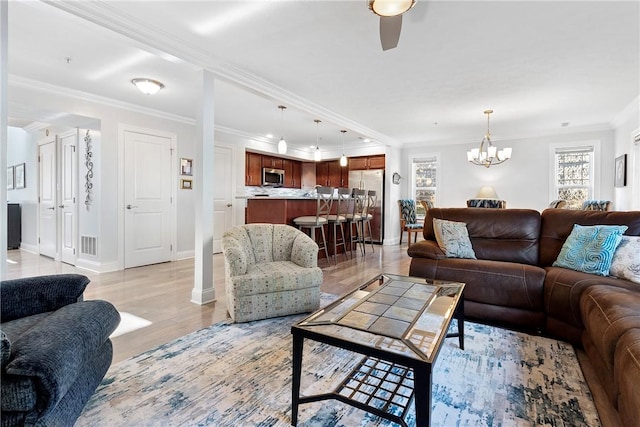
55	348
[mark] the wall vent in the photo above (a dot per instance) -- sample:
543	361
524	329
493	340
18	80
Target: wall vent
89	245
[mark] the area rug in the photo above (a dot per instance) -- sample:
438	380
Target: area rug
240	375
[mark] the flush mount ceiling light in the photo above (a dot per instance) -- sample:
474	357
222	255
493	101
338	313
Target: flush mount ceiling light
317	155
282	144
343	159
488	154
147	86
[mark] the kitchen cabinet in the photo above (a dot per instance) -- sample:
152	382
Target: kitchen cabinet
271	162
253	169
364	163
292	173
254	163
329	173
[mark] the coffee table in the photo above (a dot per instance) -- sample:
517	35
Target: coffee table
398	323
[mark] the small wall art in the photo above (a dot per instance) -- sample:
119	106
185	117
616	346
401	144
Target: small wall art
186	167
186	184
19	179
10	175
621	171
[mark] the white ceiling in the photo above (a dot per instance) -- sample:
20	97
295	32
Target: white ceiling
537	64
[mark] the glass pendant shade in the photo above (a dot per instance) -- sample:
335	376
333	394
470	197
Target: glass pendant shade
317	155
343	160
282	146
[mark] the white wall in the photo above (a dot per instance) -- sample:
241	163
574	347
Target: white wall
22	148
523	181
628	198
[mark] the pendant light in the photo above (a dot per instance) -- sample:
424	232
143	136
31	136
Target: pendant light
488	154
343	159
317	155
282	144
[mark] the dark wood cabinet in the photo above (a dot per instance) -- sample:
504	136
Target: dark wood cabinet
271	162
364	163
329	173
254	163
253	169
292	173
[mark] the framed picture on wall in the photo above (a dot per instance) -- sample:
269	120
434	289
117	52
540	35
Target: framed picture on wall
621	171
10	182
186	167
186	184
19	178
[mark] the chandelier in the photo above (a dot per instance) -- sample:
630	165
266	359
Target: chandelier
488	154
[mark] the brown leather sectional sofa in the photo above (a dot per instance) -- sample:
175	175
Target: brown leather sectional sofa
513	283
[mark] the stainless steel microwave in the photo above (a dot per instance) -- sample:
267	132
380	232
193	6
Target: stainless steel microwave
272	177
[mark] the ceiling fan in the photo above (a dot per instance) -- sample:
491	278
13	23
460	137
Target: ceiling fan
390	13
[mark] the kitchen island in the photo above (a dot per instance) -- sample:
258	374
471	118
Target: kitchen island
279	210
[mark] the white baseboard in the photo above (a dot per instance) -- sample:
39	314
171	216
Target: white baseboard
185	255
29	248
97	267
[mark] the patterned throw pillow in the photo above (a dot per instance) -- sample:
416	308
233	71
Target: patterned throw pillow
453	238
626	259
590	249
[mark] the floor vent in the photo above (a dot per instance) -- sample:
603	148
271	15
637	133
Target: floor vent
89	245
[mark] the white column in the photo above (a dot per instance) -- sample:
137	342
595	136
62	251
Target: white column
4	76
203	291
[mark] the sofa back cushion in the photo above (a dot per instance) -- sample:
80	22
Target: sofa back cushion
558	223
495	234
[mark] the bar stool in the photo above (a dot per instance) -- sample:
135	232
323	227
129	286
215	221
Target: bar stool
367	217
338	220
324	200
354	217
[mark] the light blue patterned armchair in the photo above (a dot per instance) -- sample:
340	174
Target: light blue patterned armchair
597	205
408	219
487	203
271	270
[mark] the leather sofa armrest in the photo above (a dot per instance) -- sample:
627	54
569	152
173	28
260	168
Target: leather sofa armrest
426	249
53	352
304	251
33	295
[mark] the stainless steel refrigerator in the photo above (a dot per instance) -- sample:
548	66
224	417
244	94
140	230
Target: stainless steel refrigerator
372	179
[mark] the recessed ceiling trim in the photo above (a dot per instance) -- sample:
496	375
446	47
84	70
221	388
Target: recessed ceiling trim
162	43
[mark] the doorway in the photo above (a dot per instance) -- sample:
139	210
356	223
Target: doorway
148	215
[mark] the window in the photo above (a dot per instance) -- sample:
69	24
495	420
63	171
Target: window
424	181
574	175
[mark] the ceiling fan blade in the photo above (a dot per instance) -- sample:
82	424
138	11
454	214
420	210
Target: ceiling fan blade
390	27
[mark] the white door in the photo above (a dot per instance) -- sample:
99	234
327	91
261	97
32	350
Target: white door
68	194
147	198
47	206
222	204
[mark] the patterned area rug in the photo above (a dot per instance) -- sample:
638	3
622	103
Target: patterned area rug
240	375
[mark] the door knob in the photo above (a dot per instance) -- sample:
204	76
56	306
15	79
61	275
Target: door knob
52	208
61	206
229	205
130	207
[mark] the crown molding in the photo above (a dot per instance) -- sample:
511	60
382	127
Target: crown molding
160	42
22	82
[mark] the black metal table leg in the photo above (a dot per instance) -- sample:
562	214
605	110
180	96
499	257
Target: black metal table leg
422	396
297	372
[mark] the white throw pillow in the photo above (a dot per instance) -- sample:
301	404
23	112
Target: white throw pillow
453	238
626	259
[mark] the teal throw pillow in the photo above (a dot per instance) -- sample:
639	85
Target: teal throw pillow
590	249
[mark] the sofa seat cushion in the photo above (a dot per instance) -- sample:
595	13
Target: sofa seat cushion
608	312
277	276
562	291
490	282
627	377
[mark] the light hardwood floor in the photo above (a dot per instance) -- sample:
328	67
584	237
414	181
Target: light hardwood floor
161	293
